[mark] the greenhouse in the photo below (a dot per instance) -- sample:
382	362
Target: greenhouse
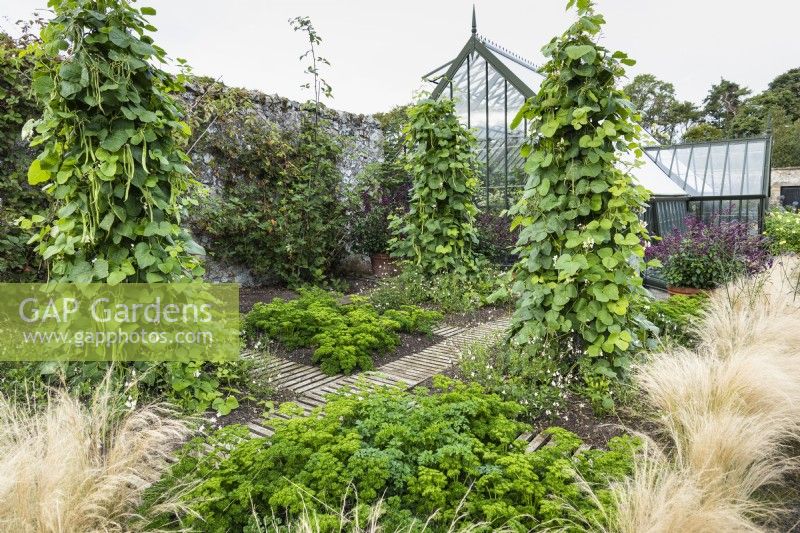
728	179
489	85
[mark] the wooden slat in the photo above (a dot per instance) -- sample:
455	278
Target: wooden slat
582	448
261	431
302	378
286	380
314	384
537	442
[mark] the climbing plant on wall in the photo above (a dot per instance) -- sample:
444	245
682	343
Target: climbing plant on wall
438	232
581	240
110	154
17	260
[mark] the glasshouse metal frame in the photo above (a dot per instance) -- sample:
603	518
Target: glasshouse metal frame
726	179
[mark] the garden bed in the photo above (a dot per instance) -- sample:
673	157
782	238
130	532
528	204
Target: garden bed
478	316
409	343
249	296
578	417
253	409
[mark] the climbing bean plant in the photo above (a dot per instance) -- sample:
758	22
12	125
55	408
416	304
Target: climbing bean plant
110	140
581	241
112	168
438	232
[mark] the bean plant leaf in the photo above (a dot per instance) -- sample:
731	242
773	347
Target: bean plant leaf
36	174
438	233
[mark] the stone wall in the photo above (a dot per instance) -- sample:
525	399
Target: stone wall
782	177
361	137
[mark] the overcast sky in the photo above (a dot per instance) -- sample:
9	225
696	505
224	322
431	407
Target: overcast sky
378	49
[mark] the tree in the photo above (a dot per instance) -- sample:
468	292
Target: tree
662	115
578	281
111	158
723	101
786	87
776	110
438	233
786	142
681	117
703	132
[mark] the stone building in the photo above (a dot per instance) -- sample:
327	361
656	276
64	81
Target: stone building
785	187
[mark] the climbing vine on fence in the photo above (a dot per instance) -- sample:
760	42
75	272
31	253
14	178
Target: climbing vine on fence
581	243
110	140
438	233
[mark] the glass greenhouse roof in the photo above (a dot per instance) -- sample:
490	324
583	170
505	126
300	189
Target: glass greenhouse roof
737	167
490	84
726	179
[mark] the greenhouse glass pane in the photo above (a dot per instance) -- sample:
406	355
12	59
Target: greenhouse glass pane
477	111
756	152
724	168
497	129
516	138
460	92
477	87
697	170
737	165
716	168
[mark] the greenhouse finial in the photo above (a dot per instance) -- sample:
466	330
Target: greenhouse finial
474	24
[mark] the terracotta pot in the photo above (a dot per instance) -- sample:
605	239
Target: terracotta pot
685	291
382	265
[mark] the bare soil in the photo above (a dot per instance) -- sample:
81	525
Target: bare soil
485	314
249	296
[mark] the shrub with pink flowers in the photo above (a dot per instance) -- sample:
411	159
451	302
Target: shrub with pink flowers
705	255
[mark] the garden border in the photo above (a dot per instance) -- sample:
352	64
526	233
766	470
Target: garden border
312	385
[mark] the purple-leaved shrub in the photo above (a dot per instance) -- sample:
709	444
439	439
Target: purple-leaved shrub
705	255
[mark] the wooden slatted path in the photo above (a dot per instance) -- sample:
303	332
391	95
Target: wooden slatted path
301	378
312	385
